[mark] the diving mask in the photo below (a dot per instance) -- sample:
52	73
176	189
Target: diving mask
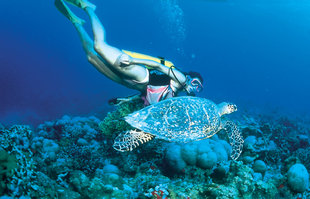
196	83
193	85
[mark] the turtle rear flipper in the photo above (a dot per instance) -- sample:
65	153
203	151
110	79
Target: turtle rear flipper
235	139
129	140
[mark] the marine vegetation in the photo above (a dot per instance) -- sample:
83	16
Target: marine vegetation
113	122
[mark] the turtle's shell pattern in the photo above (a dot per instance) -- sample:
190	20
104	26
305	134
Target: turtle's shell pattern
178	119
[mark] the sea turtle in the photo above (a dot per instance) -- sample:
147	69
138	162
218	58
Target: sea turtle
180	119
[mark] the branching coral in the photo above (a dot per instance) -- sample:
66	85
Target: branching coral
275	140
241	184
16	141
304	156
69	143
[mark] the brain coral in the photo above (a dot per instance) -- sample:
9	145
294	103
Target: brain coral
204	154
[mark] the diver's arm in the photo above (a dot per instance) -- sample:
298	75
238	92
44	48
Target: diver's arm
121	100
173	73
178	79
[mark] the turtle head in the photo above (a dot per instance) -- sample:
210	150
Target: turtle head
226	108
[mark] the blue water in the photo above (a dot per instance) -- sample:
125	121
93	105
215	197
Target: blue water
254	54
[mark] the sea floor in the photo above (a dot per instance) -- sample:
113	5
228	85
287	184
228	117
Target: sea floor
73	157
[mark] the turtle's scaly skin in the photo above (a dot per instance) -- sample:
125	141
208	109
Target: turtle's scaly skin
179	119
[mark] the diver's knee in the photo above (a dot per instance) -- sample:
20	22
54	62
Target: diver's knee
98	46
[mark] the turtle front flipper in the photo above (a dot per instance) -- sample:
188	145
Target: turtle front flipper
235	138
129	140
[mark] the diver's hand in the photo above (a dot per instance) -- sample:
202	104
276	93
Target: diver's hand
118	101
125	60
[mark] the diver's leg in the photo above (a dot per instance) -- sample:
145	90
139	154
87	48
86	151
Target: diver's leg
87	43
82	3
113	55
63	8
92	55
109	53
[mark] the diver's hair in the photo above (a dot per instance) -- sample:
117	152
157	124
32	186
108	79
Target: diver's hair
193	74
160	79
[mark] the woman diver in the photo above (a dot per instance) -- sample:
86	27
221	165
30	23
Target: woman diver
155	78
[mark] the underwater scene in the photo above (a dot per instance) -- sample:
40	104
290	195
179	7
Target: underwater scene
155	99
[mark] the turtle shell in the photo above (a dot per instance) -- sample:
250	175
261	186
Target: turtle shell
178	119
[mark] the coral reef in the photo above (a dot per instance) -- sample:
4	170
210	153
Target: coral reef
72	157
19	166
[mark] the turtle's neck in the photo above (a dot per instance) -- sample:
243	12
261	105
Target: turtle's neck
222	107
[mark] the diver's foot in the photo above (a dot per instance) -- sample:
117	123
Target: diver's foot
65	10
82	4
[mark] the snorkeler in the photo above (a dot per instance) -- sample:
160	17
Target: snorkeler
155	78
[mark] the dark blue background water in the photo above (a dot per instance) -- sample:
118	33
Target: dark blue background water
254	54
